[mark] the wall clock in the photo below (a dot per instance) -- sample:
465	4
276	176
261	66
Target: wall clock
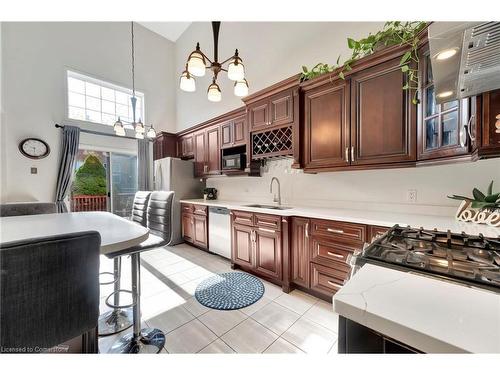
34	148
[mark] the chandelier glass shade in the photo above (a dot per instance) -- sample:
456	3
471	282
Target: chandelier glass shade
241	88
196	66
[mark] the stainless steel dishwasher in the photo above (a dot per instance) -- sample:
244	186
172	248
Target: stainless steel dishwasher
219	231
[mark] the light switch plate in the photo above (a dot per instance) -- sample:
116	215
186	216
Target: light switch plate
34	170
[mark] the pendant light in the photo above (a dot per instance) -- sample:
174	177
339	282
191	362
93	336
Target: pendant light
196	66
139	127
241	88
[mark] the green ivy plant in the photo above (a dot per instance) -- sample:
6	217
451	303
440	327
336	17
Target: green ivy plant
393	33
489	201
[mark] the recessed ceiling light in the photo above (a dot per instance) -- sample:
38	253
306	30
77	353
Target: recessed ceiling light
446	54
445	94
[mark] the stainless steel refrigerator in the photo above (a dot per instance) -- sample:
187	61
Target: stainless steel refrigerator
172	174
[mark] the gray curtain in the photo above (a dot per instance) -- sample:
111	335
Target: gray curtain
143	165
69	149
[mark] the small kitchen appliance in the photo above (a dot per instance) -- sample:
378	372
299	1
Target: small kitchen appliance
210	193
235	161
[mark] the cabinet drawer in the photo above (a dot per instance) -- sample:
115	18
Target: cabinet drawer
375	232
242	217
339	230
186	207
324	251
327	280
268	221
200	210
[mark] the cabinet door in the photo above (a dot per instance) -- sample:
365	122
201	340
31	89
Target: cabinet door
442	128
242	245
383	119
199	153
268	252
188	227
213	151
187	145
227	134
327	126
259	114
200	231
490	134
300	251
281	108
240	131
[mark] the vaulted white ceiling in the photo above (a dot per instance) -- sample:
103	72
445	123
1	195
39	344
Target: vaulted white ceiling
170	30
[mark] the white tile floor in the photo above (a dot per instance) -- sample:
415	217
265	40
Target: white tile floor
277	323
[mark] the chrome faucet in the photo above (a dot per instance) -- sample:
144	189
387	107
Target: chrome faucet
277	200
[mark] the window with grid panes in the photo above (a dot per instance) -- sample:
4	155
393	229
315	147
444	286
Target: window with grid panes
441	121
101	102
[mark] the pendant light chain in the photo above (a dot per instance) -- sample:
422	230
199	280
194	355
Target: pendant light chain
133	60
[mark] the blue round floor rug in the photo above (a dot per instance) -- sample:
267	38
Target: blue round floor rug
229	291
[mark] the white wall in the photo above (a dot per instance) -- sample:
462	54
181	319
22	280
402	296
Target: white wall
3	154
35	58
271	52
378	190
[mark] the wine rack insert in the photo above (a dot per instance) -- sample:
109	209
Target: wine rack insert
275	142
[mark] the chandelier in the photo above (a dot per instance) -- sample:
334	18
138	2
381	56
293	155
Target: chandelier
196	66
139	127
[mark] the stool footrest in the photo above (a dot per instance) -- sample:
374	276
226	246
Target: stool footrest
109	304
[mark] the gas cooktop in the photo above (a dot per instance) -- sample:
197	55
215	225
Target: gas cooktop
474	260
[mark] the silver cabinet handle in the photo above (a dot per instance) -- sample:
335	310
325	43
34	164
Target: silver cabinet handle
339	231
472	139
267	230
335	255
307	230
352	153
347	154
334	284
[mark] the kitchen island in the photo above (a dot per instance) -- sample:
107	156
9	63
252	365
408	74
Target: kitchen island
424	313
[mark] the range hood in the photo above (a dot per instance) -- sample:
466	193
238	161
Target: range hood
465	58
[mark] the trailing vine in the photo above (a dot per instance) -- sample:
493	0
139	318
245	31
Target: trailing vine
393	33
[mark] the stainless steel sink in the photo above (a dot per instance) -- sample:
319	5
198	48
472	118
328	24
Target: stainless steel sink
267	206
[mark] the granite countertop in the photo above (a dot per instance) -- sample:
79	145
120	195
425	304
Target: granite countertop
423	312
380	218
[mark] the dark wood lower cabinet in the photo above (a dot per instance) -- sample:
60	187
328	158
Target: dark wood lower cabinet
268	252
194	222
256	244
300	251
242	245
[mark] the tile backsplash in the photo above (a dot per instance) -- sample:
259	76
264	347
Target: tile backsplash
375	190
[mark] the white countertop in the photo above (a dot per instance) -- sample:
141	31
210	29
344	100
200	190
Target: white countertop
116	233
385	219
425	313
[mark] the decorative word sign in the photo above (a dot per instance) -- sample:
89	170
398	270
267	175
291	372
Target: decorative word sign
466	213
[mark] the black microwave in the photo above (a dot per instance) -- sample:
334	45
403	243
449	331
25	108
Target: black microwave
236	161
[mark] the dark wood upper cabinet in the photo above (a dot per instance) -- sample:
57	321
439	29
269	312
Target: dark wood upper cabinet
442	128
299	246
164	145
199	153
259	114
234	132
326	125
488	139
185	147
281	108
383	118
212	161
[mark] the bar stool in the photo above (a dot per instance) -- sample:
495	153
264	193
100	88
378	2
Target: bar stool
159	222
120	318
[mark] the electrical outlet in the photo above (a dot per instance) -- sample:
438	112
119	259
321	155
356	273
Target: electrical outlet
411	195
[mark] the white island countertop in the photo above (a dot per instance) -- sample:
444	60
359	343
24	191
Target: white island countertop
380	218
426	313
